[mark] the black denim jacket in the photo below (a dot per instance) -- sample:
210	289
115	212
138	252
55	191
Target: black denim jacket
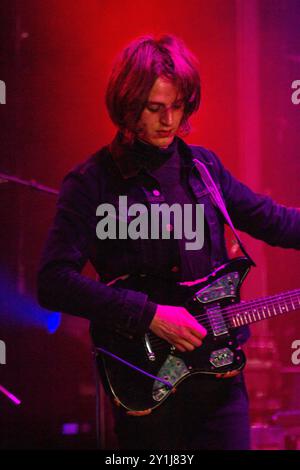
72	239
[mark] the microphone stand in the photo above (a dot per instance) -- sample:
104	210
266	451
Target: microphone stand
5	178
33	184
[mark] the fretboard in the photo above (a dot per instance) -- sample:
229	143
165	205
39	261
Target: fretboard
264	308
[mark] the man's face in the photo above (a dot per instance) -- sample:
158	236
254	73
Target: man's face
162	114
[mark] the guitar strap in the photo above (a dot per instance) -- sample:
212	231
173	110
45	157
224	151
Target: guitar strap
218	201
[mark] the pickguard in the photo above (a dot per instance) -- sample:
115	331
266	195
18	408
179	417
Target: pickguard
225	286
172	370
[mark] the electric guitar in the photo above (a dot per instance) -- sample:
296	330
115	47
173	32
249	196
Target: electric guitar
142	372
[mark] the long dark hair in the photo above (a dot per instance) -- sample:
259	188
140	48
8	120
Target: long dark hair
135	71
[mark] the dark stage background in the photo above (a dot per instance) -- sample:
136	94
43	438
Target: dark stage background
55	61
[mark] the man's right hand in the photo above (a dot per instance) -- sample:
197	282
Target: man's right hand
177	326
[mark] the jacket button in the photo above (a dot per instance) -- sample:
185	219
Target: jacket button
156	192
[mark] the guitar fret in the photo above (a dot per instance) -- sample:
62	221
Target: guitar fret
285	307
250	316
264	308
258	315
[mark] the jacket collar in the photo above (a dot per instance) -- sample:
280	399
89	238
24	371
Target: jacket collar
131	159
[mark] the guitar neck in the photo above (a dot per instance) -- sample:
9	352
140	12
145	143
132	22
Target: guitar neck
257	310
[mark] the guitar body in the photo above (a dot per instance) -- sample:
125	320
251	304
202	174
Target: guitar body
123	359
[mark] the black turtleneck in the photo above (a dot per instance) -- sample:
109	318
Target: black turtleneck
166	165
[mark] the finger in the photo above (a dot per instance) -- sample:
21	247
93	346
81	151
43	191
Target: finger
195	326
183	345
192	339
179	348
197	342
200	332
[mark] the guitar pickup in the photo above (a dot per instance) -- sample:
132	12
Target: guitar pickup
217	321
222	357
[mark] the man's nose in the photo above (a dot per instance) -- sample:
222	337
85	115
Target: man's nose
167	117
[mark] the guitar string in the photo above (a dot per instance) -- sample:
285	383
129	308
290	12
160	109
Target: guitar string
239	309
252	307
244	315
230	314
234	310
273	298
